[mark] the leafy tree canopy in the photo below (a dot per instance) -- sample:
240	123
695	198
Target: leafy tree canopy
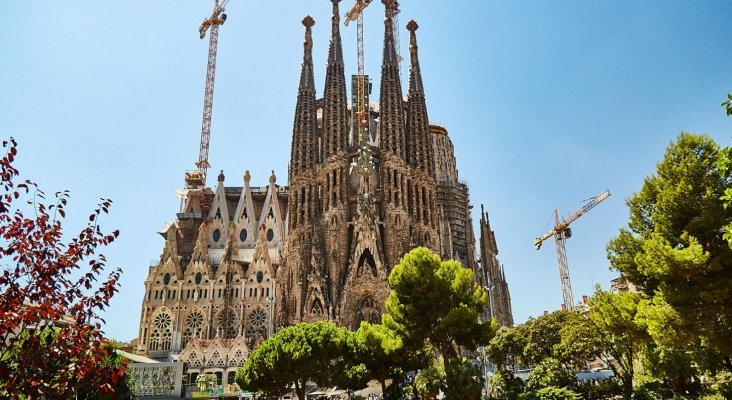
674	249
50	296
292	357
438	301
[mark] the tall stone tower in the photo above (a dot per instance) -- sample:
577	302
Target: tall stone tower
457	239
239	261
493	275
381	194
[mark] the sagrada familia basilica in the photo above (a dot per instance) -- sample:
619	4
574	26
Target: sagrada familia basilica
240	261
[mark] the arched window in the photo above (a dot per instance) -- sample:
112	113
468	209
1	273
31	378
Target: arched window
316	308
366	259
161	335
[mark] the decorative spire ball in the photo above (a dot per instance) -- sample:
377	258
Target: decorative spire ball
308	21
412	26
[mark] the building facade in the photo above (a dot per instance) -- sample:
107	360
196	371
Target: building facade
364	187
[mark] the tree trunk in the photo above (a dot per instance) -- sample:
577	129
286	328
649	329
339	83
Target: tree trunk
299	390
627	388
383	387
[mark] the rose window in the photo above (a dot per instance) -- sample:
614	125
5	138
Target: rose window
162	321
257	318
227	323
194	319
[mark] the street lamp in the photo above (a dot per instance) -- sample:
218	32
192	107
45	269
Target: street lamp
271	300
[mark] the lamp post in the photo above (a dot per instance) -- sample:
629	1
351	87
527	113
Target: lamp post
271	300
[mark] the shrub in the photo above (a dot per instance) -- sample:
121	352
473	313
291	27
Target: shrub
551	393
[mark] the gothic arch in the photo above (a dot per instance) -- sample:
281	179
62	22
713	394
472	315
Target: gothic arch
193	326
161	331
366	310
366	259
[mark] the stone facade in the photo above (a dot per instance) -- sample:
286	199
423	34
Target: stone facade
364	188
492	276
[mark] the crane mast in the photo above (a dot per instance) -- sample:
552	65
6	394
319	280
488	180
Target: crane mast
359	87
197	178
561	233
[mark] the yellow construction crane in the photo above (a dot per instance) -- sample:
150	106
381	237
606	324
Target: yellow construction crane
561	232
197	178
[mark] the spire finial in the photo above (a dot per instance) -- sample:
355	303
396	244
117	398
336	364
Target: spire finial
335	19
308	21
412	26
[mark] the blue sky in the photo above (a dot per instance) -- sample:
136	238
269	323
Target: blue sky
547	104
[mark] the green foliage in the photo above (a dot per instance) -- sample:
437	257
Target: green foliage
621	336
549	373
552	393
44	343
431	380
292	356
505	347
676	250
653	391
581	342
382	353
727	104
606	389
542	335
504	385
436	301
462	380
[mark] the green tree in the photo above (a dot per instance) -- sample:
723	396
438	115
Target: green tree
622	338
580	343
505	348
549	373
437	301
542	336
431	380
462	380
383	353
292	357
674	249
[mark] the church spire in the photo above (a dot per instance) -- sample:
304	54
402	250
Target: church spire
420	145
392	129
304	141
335	112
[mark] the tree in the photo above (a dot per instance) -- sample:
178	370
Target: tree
622	338
675	250
383	353
542	336
437	301
505	348
581	341
292	357
49	300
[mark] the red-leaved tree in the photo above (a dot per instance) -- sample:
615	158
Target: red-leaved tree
51	344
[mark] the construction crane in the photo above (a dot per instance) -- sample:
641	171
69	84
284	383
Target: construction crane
561	232
394	10
360	84
197	178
